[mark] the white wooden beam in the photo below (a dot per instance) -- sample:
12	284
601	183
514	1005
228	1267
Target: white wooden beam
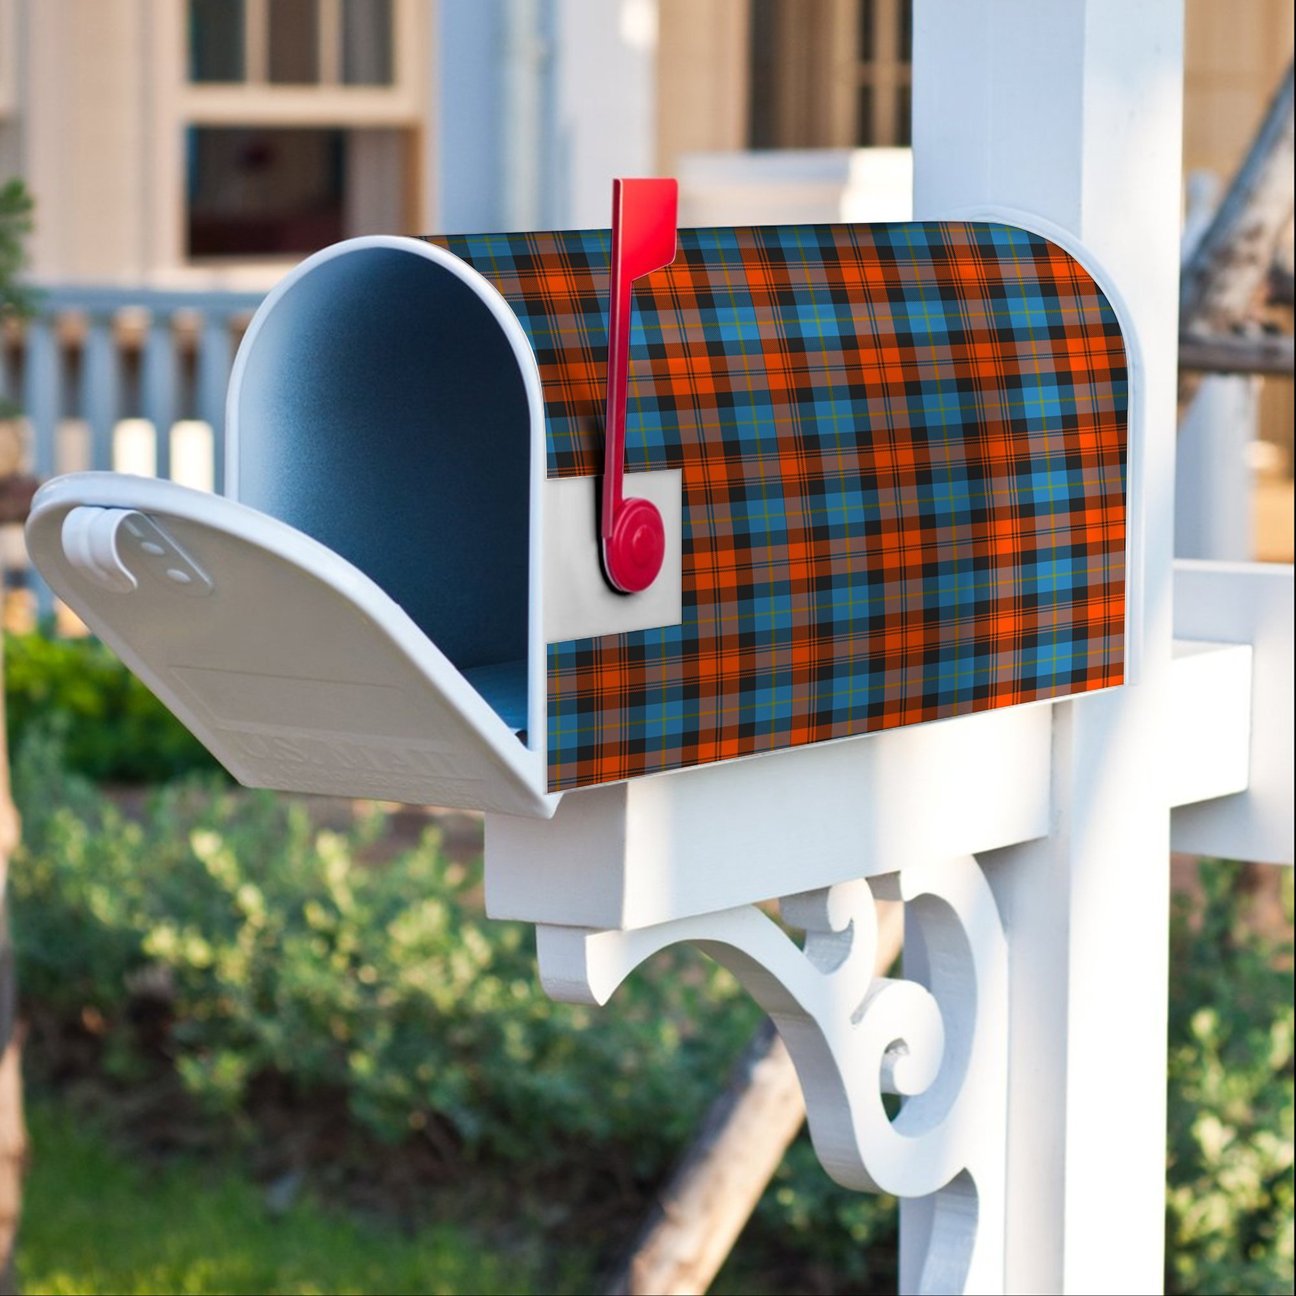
1245	603
1208	744
1214	505
696	841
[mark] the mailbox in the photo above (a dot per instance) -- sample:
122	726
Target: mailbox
880	473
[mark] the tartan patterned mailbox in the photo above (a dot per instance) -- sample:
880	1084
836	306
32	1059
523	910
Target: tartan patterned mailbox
891	461
902	450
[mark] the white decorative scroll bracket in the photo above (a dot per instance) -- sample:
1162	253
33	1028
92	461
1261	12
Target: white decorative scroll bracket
936	1037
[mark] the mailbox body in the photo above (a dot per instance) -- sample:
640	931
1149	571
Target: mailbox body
900	454
903	453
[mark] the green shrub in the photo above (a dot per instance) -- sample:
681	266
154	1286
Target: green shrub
283	954
113	728
1230	1199
846	1239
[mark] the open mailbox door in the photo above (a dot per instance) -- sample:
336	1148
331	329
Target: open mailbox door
365	619
293	667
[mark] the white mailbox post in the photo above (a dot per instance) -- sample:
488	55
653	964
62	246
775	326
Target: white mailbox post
1029	843
1073	112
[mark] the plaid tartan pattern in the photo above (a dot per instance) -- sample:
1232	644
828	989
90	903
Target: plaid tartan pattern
903	460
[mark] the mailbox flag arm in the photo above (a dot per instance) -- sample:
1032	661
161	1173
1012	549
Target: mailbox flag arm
644	217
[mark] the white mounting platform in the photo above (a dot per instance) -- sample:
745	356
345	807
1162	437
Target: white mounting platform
705	839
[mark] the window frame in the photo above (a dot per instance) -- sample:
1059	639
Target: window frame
180	103
255	100
814	101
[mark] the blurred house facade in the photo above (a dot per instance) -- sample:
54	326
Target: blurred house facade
212	142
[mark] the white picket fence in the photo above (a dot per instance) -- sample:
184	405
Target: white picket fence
131	380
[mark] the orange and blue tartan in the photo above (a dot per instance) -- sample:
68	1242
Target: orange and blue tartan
903	458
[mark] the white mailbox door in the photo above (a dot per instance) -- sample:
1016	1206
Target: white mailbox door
286	661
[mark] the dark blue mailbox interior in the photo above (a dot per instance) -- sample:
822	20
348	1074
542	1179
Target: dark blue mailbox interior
382	411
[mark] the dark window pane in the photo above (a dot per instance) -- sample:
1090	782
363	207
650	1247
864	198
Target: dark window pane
762	56
866	21
905	33
216	40
267	192
367	42
864	116
294	42
903	109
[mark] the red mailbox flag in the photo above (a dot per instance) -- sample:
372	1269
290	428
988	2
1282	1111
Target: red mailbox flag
643	240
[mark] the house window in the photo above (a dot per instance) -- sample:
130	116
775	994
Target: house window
884	71
279	192
216	47
293	53
830	73
291	42
299	121
366	42
264	192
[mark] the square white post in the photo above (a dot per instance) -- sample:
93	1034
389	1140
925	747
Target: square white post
1071	112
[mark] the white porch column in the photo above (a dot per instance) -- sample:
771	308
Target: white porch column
1071	112
1214	508
604	104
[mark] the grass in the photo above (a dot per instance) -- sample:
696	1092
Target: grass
95	1221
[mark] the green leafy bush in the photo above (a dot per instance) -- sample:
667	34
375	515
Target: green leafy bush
282	953
1230	1198
112	727
837	1239
17	300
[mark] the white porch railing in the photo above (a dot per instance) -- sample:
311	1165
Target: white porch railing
131	380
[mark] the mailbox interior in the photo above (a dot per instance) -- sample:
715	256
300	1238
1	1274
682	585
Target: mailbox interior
384	402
